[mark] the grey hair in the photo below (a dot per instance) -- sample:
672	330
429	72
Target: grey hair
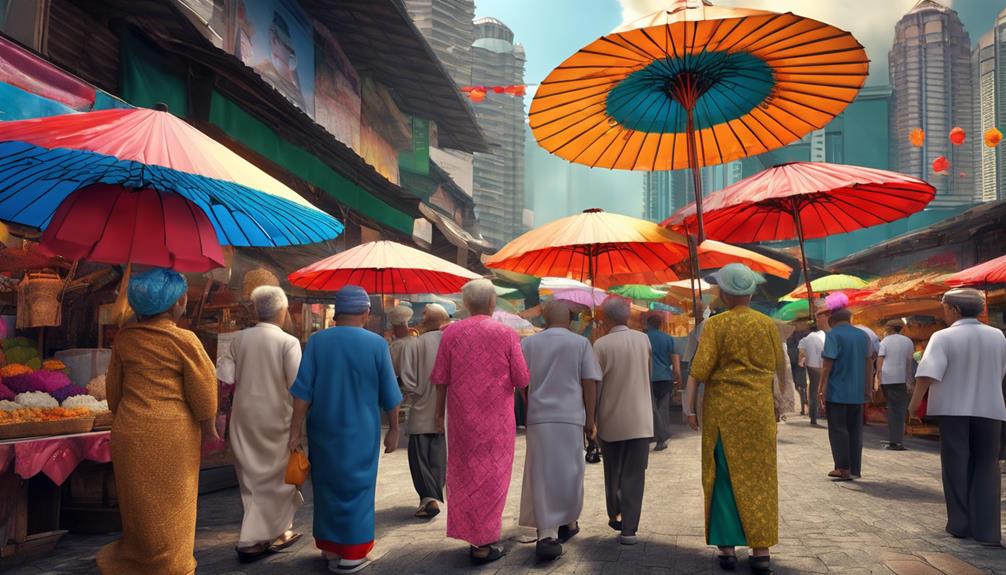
968	301
435	311
616	310
269	301
479	296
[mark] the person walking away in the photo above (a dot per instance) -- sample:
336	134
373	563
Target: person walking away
624	417
162	390
691	346
739	356
478	367
402	338
427	447
344	383
665	376
799	371
810	348
562	398
848	365
266	362
963	369
894	372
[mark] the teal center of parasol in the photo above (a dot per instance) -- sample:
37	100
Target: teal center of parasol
720	86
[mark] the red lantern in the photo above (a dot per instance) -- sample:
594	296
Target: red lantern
917	137
941	165
477	95
957	136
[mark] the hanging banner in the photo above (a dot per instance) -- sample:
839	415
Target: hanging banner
338	97
276	39
417	158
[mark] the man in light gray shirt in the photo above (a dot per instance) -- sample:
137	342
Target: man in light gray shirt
894	369
562	398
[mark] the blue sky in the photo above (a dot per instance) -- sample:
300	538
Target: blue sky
552	30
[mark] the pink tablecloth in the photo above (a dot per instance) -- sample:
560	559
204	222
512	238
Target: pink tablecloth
57	457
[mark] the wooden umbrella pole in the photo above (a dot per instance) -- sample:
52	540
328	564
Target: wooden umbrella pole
693	267
693	163
803	261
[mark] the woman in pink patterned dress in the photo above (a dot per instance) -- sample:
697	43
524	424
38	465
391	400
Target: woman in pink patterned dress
478	366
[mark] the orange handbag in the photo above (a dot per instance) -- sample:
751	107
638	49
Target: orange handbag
297	468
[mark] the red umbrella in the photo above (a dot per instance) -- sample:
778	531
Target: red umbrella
384	267
110	224
990	272
806	200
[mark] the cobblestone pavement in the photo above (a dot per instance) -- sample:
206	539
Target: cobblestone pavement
889	522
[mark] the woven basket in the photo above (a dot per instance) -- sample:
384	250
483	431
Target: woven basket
103	421
41	428
38	302
255	278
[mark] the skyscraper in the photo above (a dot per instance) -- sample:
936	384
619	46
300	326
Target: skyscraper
932	89
666	192
990	103
499	174
448	27
985	69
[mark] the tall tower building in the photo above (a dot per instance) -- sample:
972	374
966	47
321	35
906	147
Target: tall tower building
932	89
499	174
987	188
447	25
667	192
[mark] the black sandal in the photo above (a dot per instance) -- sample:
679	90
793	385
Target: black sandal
615	524
495	554
727	562
565	533
252	556
277	548
761	565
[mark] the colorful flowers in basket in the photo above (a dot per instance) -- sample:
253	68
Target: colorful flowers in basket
5	393
37	399
55	365
13	369
96	387
68	391
6	405
41	380
32	414
87	402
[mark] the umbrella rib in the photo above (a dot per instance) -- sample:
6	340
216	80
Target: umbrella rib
774	42
733	47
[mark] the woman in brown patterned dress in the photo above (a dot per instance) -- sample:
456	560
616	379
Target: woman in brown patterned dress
162	389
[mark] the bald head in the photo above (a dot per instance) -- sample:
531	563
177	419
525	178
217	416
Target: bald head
435	316
556	314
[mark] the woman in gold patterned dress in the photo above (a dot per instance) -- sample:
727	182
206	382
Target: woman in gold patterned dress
739	353
162	388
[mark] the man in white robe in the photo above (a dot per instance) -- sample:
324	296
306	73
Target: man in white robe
427	447
266	361
402	338
562	398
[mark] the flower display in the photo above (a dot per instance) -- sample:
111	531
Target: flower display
33	414
53	365
86	402
6	405
13	369
68	391
96	388
23	355
41	380
6	393
36	399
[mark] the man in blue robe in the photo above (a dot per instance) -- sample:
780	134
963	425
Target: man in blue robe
345	380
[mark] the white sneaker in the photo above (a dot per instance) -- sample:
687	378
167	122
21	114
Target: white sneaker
627	539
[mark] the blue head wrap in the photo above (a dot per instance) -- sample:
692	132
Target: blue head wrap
737	279
351	300
154	292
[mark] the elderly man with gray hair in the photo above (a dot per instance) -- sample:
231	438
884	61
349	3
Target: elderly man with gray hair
963	369
266	360
624	416
478	367
427	447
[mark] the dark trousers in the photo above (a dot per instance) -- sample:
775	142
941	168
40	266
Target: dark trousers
897	398
814	384
428	465
624	478
969	453
845	432
800	381
661	391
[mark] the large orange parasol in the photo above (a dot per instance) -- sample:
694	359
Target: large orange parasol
384	267
696	85
594	246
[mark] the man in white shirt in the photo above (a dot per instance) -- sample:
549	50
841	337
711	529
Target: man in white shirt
963	369
624	416
894	369
562	398
811	348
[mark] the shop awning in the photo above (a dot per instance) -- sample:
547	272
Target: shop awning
454	233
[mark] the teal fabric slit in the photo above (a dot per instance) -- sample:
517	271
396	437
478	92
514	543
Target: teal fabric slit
725	527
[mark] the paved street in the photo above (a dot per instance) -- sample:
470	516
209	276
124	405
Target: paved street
889	522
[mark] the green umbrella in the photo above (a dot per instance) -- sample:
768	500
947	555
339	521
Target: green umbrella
657	306
508	293
793	310
636	291
834	282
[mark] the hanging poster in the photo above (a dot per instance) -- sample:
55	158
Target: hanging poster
337	92
276	39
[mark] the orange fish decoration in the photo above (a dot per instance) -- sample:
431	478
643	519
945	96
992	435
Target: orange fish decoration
917	137
992	137
941	165
957	136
